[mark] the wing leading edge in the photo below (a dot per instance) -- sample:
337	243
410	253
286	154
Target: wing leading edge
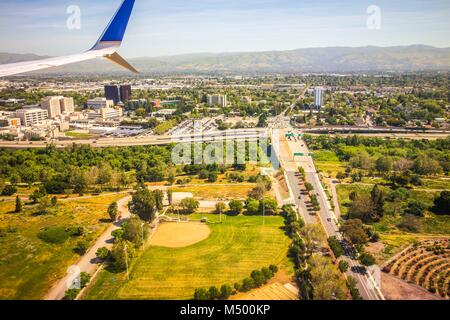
106	47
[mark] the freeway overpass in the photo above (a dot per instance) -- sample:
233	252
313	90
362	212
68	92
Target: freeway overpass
237	134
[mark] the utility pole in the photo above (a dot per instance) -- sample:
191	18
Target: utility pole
126	261
142	227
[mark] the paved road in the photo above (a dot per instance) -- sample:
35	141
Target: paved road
89	263
326	215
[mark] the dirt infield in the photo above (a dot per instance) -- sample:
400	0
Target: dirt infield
274	291
179	234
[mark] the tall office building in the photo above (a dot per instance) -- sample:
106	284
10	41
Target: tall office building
112	93
125	93
318	97
67	105
216	99
52	105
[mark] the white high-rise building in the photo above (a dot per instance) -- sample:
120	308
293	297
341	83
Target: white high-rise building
52	105
318	97
29	117
67	105
216	99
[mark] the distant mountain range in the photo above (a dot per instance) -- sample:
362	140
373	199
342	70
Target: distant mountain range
330	59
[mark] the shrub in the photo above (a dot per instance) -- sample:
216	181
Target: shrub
268	274
273	268
53	235
248	284
9	190
81	247
201	294
367	259
335	246
75	231
214	293
84	279
103	253
236	206
225	292
237	286
258	278
343	266
71	294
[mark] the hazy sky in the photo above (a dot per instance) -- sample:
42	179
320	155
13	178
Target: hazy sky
169	27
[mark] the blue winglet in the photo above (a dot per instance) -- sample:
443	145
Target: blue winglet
118	24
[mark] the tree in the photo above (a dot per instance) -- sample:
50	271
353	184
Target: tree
78	181
120	252
225	291
159	199
335	246
212	177
268	206
19	205
220	207
201	294
377	198
409	223
103	253
442	203
343	266
143	204
384	164
214	293
325	279
367	259
54	201
133	231
312	237
113	211
170	196
38	194
189	205
81	247
248	284
258	277
236	206
309	187
415	208
253	206
9	190
426	165
354	231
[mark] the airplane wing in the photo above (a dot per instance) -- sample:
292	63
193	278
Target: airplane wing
105	47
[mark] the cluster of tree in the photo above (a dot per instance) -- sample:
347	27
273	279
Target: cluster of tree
145	203
367	207
317	277
256	280
401	161
79	167
359	236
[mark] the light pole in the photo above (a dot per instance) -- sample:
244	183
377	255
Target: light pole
126	260
142	228
264	211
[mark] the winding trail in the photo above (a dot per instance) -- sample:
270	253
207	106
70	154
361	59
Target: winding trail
89	262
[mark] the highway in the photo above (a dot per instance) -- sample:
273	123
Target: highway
237	134
326	215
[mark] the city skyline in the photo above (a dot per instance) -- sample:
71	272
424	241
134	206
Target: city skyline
159	29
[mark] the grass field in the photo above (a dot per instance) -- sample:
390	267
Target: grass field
233	250
28	265
239	192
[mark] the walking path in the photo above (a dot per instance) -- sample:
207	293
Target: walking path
89	262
